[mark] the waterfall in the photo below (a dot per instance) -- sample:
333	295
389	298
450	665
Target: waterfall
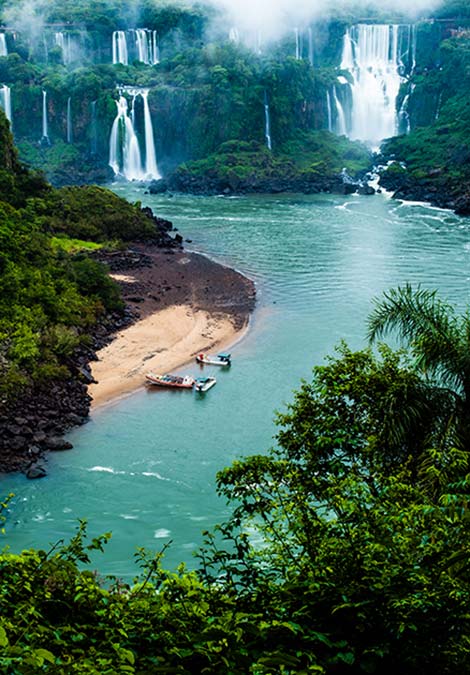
124	152
69	121
403	114
438	107
297	44
94	130
6	101
45	125
120	54
62	40
328	110
340	116
267	122
3	45
310	45
151	168
155	48
371	55
413	39
125	157
234	35
142	44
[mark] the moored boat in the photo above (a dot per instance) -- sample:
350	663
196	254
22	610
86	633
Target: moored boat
203	384
214	360
176	381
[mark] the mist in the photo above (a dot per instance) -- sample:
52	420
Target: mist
273	18
27	17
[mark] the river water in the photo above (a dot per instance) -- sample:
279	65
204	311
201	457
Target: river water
144	468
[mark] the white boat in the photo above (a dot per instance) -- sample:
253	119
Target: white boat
203	384
176	381
218	360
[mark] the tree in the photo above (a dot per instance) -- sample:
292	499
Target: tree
438	339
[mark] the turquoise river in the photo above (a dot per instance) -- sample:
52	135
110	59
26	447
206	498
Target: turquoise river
144	468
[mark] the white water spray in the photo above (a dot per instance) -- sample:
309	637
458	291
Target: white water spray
142	45
267	122
6	101
45	125
297	44
151	168
341	129
328	110
3	45
124	152
310	45
125	157
69	121
372	56
120	53
62	40
234	35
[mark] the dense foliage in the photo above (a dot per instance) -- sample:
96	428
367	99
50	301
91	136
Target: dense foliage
437	151
49	300
346	552
305	163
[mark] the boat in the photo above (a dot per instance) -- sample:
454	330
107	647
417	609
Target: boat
203	384
176	381
218	360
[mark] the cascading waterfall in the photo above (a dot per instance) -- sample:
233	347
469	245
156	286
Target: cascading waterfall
413	37
151	168
438	107
155	48
310	45
120	53
297	44
234	35
267	122
328	110
94	130
124	152
125	157
45	125
69	121
62	40
143	45
6	102
372	55
3	45
404	121
341	129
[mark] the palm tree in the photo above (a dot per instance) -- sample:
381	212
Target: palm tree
439	340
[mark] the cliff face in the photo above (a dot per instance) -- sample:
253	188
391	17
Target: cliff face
204	88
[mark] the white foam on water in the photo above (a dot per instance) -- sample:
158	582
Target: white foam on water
161	533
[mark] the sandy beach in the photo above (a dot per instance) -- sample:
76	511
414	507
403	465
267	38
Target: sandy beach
187	303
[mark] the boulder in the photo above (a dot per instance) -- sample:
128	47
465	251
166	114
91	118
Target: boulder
57	443
36	470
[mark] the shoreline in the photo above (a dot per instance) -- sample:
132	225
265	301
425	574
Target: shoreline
186	303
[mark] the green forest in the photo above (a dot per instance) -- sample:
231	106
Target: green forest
346	549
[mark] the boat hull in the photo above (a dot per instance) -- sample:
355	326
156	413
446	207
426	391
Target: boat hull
171	381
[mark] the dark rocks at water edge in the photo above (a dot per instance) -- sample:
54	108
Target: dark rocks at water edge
205	184
435	188
34	423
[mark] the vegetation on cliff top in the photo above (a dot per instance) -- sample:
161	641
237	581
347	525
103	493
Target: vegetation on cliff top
346	552
49	300
436	154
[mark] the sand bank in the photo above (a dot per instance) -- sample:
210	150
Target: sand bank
187	304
